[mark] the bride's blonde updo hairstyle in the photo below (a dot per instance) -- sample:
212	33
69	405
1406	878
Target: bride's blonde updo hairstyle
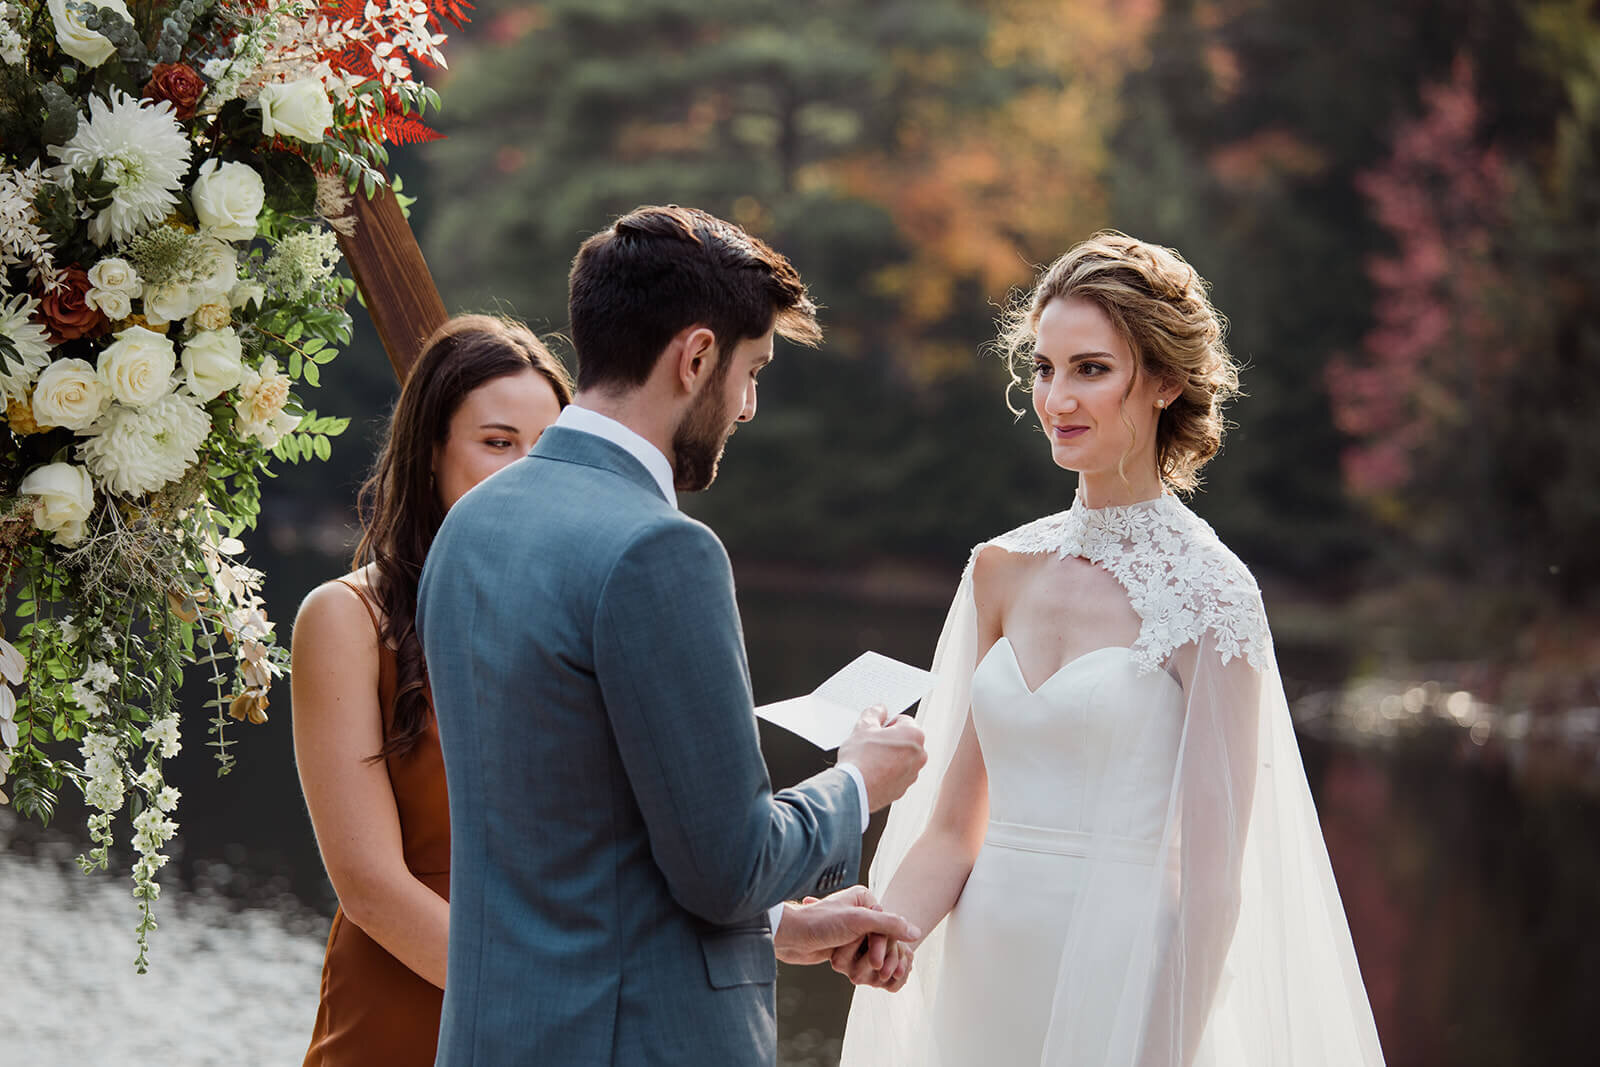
1158	303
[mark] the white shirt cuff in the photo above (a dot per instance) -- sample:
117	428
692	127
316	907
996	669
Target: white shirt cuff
775	916
861	790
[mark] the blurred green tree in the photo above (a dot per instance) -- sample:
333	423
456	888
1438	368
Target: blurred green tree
912	158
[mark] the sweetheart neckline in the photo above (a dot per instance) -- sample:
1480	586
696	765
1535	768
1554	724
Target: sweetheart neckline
1034	691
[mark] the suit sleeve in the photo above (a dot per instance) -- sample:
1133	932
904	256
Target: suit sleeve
670	659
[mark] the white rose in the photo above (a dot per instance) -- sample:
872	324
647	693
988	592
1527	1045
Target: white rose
116	275
113	303
84	45
66	496
262	395
227	198
169	303
211	363
137	367
300	109
219	274
69	393
245	294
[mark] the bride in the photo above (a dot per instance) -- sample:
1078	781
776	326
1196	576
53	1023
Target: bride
1113	845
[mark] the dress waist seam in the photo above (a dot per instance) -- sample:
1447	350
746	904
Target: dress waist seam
1023	838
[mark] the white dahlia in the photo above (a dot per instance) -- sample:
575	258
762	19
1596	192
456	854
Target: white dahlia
17	373
139	450
145	152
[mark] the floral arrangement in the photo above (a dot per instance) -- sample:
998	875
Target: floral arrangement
172	173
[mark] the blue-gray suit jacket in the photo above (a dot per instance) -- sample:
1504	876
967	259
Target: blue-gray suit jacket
615	839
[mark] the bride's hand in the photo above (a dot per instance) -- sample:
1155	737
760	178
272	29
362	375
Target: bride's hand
877	961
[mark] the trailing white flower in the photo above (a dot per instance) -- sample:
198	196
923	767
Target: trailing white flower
145	154
137	367
213	362
78	41
65	499
164	733
227	199
99	675
106	787
262	395
70	393
151	830
139	450
89	700
167	798
32	343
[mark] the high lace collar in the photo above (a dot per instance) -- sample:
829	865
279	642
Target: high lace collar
1181	580
1119	516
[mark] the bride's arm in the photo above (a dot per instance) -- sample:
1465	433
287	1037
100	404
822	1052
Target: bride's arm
930	880
935	870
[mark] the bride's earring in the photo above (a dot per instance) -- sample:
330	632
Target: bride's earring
1160	403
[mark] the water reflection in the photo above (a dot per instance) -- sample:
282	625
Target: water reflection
227	985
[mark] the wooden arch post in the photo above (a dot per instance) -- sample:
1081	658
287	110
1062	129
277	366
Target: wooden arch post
394	279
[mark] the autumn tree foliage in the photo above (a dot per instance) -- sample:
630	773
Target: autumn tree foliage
1469	407
1438	347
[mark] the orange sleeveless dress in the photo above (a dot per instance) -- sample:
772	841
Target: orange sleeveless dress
374	1009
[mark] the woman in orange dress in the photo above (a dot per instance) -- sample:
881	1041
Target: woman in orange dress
480	394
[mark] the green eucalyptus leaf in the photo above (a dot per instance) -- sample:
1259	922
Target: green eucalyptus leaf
61	115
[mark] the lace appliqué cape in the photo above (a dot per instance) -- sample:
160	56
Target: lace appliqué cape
1181	580
1241	954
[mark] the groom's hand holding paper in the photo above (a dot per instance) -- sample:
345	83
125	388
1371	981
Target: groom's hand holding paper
828	714
887	751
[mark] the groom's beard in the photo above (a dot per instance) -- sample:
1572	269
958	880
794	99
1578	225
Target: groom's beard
699	439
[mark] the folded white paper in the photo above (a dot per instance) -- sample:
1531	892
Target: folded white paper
826	716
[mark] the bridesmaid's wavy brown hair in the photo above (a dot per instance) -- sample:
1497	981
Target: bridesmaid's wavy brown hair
1159	304
399	506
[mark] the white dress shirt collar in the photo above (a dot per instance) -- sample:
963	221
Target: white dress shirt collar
585	420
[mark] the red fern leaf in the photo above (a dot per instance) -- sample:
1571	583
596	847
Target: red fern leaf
407	129
454	10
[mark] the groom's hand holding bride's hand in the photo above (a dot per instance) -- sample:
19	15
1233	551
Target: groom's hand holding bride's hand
888	752
851	927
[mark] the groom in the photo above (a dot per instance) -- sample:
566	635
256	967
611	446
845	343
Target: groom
619	860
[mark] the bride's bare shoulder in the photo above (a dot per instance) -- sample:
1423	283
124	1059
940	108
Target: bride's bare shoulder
998	572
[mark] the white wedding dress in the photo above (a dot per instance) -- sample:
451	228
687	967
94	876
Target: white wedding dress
1152	890
1097	723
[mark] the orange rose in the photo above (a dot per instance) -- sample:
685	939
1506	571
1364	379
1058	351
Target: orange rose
178	83
66	312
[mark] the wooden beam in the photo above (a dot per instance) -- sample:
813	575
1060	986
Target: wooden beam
393	278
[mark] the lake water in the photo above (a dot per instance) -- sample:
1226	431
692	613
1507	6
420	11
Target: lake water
1470	880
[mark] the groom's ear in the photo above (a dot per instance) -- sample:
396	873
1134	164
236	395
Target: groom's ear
694	357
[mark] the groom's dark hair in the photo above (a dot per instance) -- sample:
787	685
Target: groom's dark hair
657	271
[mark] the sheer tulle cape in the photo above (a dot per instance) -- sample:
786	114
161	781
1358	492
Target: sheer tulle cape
1241	955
